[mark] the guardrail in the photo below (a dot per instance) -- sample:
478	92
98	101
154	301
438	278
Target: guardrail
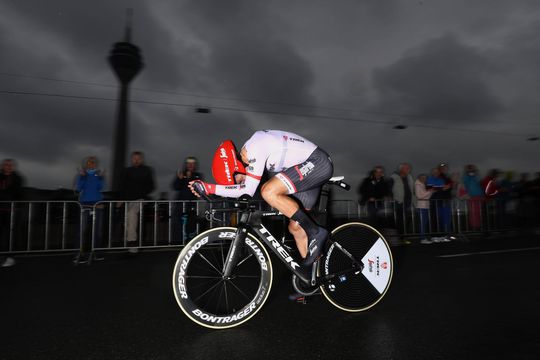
46	226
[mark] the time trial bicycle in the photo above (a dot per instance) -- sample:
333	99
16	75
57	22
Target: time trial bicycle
223	276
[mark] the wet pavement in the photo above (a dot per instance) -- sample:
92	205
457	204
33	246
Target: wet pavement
460	300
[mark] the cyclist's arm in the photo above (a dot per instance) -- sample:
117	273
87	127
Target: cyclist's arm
257	164
235	191
256	154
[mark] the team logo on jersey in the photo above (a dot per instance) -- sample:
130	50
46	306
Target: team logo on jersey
271	167
305	169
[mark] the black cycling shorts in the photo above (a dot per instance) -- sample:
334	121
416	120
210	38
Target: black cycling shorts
304	181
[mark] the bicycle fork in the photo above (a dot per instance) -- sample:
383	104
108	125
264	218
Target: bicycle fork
234	251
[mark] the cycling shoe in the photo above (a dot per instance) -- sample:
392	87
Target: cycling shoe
315	247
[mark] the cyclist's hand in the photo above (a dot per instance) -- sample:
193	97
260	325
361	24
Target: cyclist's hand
240	178
209	189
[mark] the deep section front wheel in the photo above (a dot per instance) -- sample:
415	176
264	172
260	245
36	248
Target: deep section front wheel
361	289
205	295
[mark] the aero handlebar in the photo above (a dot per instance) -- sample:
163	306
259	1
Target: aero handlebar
199	188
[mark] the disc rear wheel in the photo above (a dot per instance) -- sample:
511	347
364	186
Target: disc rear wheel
360	289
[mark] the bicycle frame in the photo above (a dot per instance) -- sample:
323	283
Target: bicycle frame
251	220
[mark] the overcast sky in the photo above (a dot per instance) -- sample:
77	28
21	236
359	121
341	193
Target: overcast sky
464	76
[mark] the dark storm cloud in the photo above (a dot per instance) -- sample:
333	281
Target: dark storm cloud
66	25
54	41
520	54
88	32
442	79
248	59
52	127
280	52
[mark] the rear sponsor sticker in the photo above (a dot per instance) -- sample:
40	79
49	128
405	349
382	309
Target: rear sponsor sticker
377	266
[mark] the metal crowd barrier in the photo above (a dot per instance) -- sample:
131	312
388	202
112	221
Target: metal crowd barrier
443	217
47	226
152	223
40	226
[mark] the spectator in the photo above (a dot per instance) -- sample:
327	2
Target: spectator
534	187
184	176
490	184
10	182
508	185
493	191
185	212
441	198
529	202
89	184
507	196
422	204
137	183
522	187
471	190
535	192
10	190
402	187
373	191
525	207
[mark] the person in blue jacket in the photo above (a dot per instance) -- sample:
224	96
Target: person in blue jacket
89	185
441	199
90	182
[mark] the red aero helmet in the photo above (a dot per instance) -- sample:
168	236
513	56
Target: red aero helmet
226	164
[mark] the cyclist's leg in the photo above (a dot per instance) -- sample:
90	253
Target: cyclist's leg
307	199
276	194
306	179
300	237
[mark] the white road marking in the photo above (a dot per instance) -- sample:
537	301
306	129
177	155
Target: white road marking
102	251
489	252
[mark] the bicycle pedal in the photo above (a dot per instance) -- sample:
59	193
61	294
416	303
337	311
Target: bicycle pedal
302	300
298	298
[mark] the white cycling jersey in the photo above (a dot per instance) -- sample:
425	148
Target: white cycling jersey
273	150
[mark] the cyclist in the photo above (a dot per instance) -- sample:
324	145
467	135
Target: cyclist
297	169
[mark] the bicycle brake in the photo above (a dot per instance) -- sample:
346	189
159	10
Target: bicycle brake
210	216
